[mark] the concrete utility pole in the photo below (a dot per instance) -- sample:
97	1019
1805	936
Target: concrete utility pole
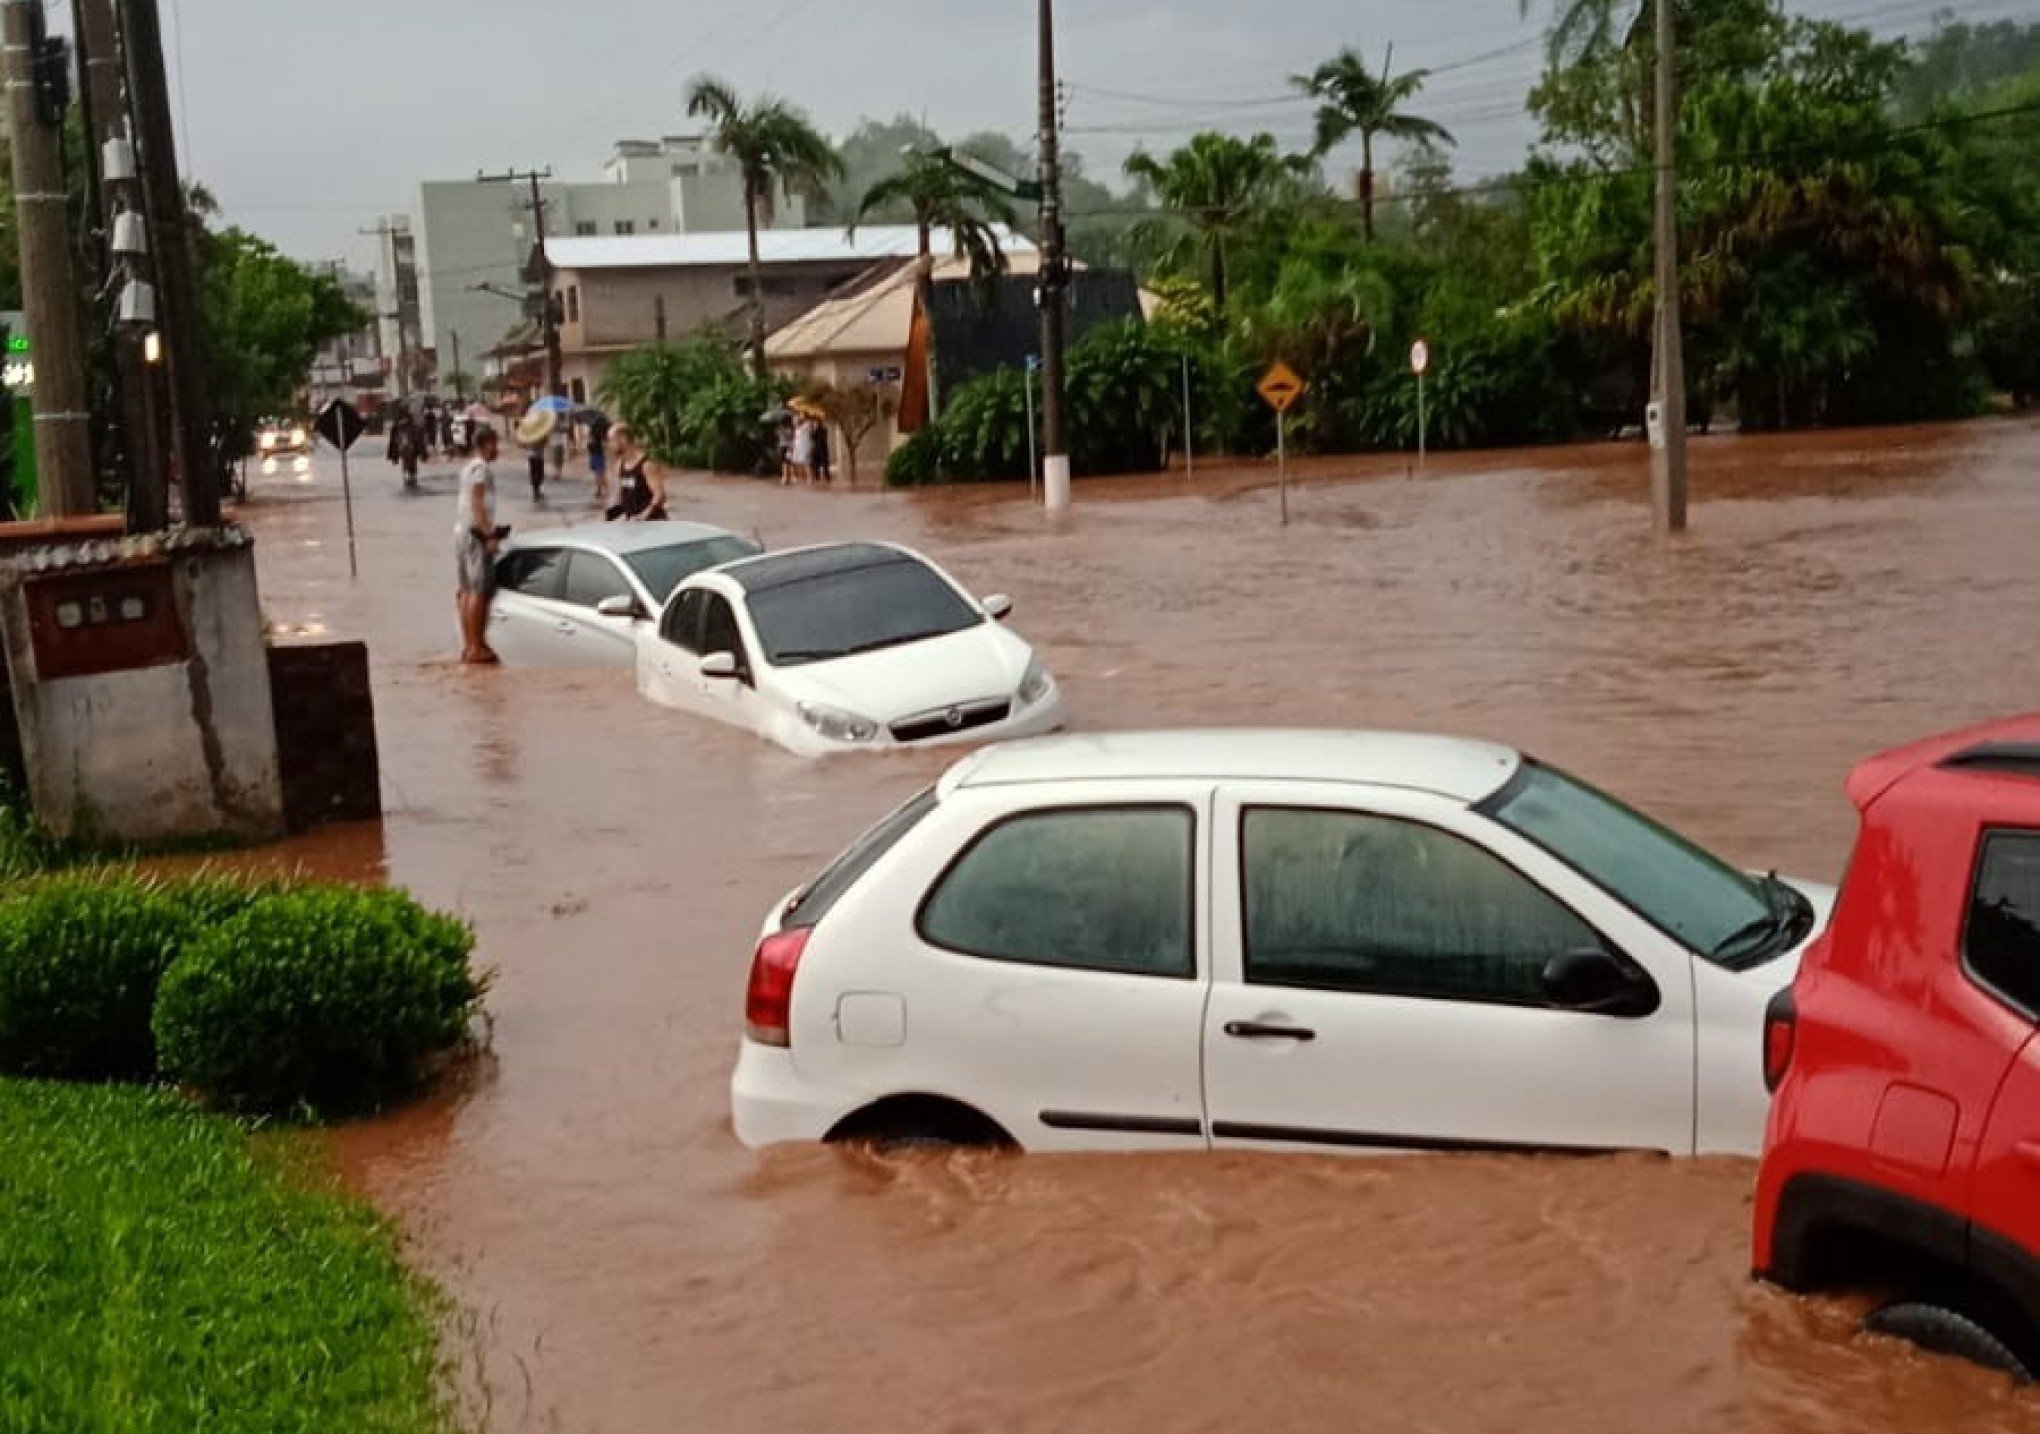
1668	458
555	360
178	318
49	281
105	106
1054	282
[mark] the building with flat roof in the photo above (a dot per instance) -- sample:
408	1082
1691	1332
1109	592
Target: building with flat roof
453	268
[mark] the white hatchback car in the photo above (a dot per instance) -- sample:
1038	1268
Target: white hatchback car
577	597
1266	940
846	647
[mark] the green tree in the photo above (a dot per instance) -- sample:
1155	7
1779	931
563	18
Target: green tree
939	195
1217	186
264	317
1354	100
776	149
695	404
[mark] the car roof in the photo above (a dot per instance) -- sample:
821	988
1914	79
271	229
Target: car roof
619	538
799	565
1453	767
2005	753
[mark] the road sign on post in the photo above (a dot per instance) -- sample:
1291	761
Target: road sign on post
340	424
1279	389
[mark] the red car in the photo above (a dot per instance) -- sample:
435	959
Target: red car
1903	1152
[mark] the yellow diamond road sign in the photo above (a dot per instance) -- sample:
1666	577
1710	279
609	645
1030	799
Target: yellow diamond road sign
1281	388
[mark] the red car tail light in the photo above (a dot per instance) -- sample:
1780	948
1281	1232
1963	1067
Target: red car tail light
768	1004
1781	1034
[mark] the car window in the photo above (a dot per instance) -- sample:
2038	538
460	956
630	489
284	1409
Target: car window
1684	891
1345	901
662	570
592	578
534	572
682	625
1097	890
2003	939
719	629
820	896
888	604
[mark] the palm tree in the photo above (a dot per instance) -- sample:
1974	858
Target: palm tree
1353	100
776	150
941	196
1220	185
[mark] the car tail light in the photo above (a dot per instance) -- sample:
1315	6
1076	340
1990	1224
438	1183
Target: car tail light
768	1004
1781	1033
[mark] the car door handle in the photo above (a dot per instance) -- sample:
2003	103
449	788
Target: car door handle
568	628
1258	1031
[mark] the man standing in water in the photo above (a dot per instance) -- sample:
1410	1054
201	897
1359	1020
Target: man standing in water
476	538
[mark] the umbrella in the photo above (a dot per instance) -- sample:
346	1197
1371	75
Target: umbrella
553	403
537	426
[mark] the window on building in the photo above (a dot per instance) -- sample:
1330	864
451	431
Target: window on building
573	303
653	225
584	229
626	226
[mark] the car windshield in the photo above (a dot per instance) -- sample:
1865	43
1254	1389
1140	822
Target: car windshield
1679	888
840	614
662	570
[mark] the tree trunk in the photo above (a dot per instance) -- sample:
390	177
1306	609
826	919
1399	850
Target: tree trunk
757	281
925	223
1218	274
1367	185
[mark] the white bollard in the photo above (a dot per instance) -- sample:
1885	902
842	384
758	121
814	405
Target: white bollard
1056	483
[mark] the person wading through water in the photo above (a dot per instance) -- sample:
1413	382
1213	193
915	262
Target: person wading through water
476	540
640	489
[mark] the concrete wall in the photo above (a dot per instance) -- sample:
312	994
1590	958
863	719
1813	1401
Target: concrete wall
325	731
620	306
180	750
465	237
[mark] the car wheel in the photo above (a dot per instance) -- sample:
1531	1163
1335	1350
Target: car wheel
1946	1331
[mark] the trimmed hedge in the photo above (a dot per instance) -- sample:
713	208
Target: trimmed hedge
79	965
324	1001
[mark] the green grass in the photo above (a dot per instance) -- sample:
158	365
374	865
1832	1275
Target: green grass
160	1273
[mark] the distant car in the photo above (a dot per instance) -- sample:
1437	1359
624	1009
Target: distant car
1904	1148
278	438
846	647
1269	941
578	597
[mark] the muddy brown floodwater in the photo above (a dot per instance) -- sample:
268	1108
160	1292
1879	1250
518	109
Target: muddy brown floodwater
625	1266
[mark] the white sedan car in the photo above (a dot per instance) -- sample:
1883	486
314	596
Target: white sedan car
846	647
577	597
1265	940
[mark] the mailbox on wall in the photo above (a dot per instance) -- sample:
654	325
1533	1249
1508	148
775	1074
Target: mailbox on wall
106	620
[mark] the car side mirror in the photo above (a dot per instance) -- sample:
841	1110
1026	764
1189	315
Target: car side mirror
720	667
998	607
1595	982
620	606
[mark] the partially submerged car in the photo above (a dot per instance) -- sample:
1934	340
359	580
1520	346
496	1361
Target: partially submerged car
846	647
579	597
1903	1155
1269	941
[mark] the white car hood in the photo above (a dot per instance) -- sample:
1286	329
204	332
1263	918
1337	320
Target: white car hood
978	664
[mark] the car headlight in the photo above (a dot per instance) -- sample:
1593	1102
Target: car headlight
838	725
1036	685
268	441
297	438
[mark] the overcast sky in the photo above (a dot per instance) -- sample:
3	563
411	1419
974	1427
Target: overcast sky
308	118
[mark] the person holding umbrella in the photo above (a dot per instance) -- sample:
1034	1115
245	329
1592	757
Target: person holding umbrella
534	431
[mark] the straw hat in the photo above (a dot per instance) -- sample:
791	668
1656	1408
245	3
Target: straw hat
536	426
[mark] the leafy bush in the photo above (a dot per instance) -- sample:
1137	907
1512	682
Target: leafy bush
325	1001
80	960
915	463
696	404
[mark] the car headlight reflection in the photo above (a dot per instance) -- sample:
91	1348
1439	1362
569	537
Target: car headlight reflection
298	438
1036	685
837	725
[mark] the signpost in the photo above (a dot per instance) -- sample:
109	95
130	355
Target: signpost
1189	427
1279	389
1420	364
341	425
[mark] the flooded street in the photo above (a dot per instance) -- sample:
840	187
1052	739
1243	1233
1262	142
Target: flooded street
626	1266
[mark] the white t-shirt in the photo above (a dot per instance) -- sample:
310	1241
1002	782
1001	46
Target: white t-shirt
476	475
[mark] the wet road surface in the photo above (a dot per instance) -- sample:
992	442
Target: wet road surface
625	1266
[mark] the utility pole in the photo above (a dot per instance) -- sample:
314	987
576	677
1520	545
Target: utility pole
105	106
1054	281
177	281
1668	453
555	363
385	235
49	283
458	396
